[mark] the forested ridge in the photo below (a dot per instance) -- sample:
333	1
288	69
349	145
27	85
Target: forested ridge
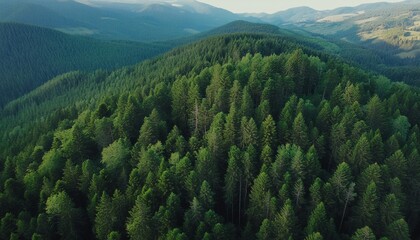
239	136
33	55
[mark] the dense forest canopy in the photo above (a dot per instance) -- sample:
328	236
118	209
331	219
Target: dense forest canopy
33	55
239	136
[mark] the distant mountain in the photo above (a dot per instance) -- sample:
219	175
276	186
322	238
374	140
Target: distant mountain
389	27
32	55
142	21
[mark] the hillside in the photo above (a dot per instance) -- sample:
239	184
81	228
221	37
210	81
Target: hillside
387	27
35	55
376	60
144	21
199	144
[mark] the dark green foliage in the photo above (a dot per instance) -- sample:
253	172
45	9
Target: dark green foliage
195	145
35	55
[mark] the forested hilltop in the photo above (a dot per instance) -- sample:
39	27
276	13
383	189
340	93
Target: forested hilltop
239	136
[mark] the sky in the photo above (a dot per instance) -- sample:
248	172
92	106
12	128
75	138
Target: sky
271	6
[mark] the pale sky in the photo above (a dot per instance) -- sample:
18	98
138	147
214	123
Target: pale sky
271	6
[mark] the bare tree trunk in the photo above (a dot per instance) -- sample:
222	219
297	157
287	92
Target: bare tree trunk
344	213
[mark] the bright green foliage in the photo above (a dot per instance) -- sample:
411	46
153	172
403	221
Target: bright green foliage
61	206
318	221
268	132
314	236
116	155
285	222
266	230
364	233
206	196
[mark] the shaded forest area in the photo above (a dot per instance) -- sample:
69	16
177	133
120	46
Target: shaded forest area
33	55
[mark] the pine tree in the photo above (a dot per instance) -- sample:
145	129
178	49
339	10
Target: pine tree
375	113
179	103
249	133
259	199
398	163
206	196
139	223
314	236
364	233
268	132
398	230
285	222
103	220
361	155
266	230
300	132
390	210
367	207
247	105
233	179
318	221
60	205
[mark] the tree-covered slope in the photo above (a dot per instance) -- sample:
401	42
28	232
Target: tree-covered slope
234	137
32	55
382	62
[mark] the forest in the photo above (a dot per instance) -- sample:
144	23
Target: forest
239	136
35	55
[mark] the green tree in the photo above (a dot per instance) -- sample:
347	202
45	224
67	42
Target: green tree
180	103
259	199
116	155
398	163
361	155
364	233
390	210
268	132
398	230
60	206
266	230
233	179
300	132
152	130
285	222
318	221
367	208
314	236
375	113
139	223
103	220
249	133
206	196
